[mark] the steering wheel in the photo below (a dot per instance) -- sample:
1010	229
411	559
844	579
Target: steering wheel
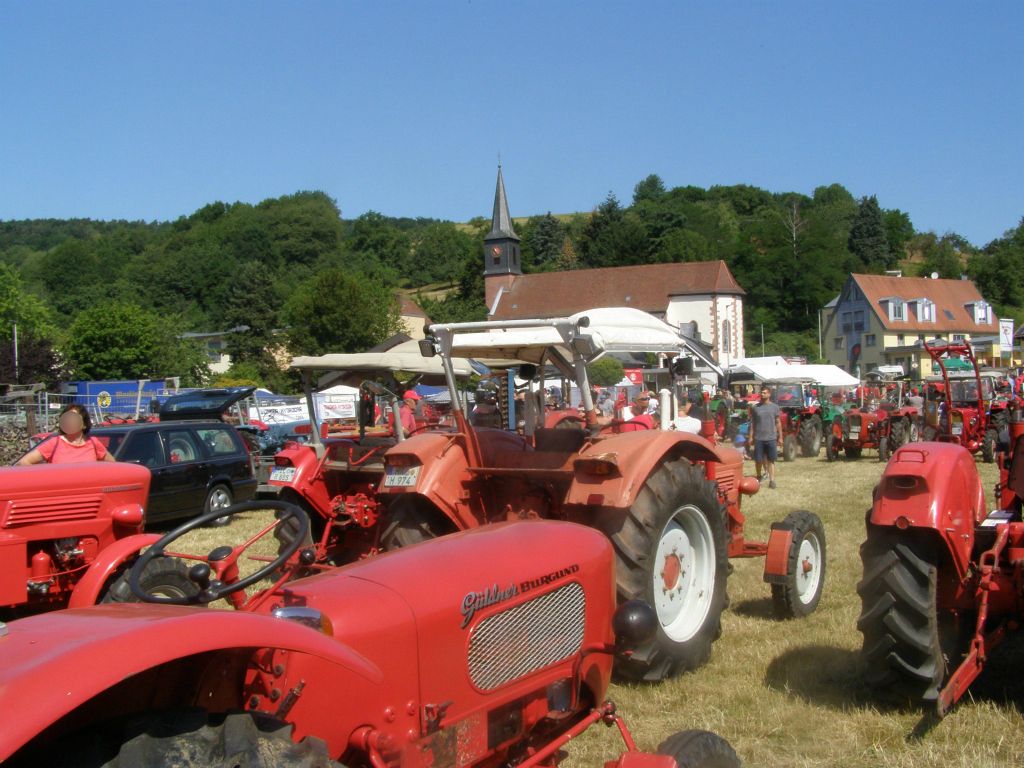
222	563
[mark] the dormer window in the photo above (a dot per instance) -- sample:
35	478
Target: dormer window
897	308
981	311
925	309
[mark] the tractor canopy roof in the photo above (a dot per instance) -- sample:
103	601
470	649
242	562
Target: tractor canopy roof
403	357
591	334
824	375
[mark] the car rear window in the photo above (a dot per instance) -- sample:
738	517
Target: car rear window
218	441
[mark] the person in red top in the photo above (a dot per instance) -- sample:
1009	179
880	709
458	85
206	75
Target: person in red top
407	411
72	445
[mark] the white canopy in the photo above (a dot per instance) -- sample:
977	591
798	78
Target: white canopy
593	333
403	357
825	375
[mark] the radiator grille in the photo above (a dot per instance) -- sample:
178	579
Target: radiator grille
526	638
52	510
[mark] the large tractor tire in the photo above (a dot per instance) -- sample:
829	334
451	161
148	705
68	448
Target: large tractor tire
699	749
412	520
988	445
897	433
801	593
884	449
909	647
810	437
853	452
789	448
242	740
671	553
164	576
930	433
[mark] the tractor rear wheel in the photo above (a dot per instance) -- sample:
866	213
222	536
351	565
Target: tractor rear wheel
801	593
810	437
788	448
897	433
909	646
699	749
164	576
883	449
412	520
195	740
671	552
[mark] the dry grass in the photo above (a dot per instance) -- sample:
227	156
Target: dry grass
789	693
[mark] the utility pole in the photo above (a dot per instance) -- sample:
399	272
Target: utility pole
17	379
762	339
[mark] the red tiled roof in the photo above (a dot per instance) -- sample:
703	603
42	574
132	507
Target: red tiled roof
949	296
409	308
647	287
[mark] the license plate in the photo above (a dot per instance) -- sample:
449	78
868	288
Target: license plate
958	430
854	431
283	474
401	477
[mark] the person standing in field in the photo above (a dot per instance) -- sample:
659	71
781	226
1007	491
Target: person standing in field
72	445
766	435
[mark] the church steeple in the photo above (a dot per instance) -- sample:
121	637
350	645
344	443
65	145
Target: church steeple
501	245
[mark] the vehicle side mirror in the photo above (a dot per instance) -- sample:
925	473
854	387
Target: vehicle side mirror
427	347
634	623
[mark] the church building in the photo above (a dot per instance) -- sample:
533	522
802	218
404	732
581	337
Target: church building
701	298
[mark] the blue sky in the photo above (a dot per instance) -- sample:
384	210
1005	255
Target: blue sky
151	110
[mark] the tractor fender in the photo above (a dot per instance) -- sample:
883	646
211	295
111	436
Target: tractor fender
444	468
934	487
305	484
87	590
636	454
56	662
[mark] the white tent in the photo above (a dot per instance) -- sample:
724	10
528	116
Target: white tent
404	357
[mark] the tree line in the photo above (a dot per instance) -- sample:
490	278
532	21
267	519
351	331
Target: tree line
111	299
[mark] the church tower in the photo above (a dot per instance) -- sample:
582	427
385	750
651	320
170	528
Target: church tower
501	248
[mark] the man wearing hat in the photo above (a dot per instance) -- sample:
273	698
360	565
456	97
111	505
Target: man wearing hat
407	411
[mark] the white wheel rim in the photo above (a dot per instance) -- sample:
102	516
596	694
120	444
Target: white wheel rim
683	581
808	568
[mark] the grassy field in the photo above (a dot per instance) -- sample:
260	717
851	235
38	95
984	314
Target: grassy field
789	693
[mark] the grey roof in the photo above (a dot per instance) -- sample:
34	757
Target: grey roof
501	221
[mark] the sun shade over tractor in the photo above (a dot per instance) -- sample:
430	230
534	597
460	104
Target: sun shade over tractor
404	357
589	334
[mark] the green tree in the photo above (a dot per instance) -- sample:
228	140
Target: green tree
117	340
543	239
868	239
606	372
898	232
613	237
650	188
253	304
338	311
941	255
439	251
37	359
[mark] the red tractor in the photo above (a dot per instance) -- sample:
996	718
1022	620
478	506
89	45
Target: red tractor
501	661
335	476
943	575
669	501
956	408
68	533
882	422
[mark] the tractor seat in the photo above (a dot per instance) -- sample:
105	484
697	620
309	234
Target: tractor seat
560	440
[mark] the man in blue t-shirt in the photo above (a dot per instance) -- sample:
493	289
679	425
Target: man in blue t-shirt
766	434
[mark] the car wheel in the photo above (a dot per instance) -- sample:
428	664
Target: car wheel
219	497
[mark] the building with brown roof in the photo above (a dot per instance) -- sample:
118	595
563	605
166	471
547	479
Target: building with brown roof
697	295
413	317
885	319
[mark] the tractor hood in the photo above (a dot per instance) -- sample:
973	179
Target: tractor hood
491	607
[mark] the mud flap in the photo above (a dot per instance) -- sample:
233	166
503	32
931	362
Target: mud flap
777	559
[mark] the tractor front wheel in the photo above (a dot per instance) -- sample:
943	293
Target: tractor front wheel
164	576
805	579
699	749
671	552
988	446
810	437
883	449
788	448
193	739
910	647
